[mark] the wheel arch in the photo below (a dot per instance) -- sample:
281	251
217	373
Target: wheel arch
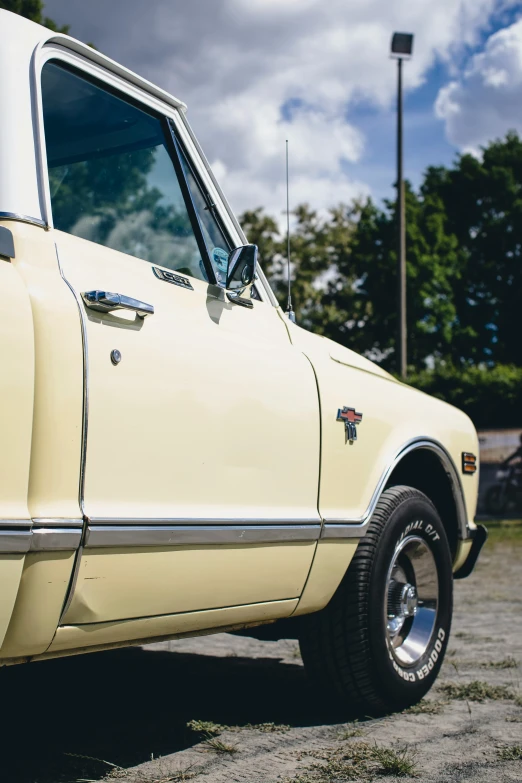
427	466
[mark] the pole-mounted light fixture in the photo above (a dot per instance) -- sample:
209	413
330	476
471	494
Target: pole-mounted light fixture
401	49
402	44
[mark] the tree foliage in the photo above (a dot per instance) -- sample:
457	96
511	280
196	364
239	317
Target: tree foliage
464	277
33	10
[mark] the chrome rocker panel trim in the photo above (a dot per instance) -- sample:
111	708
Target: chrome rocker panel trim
196	535
356	528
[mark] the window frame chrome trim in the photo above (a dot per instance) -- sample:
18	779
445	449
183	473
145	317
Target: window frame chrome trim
24	219
356	528
99	536
224	203
54	49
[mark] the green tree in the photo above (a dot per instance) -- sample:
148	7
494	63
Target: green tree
433	273
318	249
483	203
33	10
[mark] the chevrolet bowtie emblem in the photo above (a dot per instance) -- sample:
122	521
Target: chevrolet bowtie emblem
350	418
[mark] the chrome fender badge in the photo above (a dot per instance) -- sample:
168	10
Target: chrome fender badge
350	417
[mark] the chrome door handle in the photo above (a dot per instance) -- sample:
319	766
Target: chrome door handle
106	302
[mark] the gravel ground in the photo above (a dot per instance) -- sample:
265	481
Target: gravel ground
124	714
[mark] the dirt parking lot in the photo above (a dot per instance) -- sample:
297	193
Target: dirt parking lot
124	715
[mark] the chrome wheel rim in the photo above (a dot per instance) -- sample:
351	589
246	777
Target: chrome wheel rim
411	600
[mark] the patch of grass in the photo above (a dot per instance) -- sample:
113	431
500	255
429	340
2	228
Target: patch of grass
206	727
216	745
353	730
159	775
401	763
425	707
504	531
211	729
514	719
142	776
505	663
358	761
267	728
478	690
510	753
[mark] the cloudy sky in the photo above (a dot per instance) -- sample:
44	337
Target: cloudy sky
318	72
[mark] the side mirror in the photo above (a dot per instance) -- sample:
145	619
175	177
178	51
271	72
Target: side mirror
241	269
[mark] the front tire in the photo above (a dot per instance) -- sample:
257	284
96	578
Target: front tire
379	644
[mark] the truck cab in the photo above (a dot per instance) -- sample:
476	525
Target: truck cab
178	457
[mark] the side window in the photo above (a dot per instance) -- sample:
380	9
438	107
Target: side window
111	176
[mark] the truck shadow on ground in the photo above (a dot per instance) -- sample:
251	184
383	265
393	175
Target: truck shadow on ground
124	705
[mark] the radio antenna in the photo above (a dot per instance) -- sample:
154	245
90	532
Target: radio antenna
289	311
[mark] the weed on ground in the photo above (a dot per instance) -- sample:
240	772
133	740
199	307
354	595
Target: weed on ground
266	728
357	761
505	663
147	777
218	746
510	753
477	690
353	730
206	727
425	707
160	775
209	728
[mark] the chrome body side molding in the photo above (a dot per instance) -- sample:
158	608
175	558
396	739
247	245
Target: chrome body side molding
56	522
57	539
209	521
356	528
196	535
14	540
22	536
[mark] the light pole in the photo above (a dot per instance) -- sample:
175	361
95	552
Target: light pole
401	48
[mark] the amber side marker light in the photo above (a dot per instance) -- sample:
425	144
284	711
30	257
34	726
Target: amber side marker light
469	462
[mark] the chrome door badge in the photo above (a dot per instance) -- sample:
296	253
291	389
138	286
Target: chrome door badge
350	418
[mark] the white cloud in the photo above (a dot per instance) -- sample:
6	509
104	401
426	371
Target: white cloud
486	101
238	63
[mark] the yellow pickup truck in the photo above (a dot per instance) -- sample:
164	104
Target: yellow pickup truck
178	457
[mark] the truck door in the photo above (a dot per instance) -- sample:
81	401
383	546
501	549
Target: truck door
202	423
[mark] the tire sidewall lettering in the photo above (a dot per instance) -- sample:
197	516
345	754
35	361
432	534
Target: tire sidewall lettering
418	519
410	675
420	524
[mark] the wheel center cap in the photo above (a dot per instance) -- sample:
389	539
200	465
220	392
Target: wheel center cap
409	601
